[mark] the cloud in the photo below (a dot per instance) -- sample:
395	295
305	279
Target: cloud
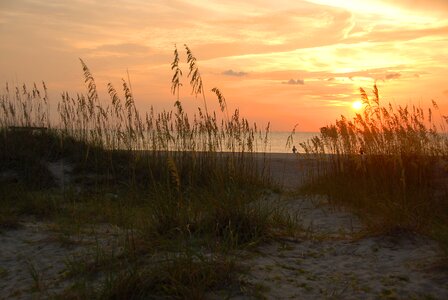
300	24
294	82
393	75
440	6
234	73
128	48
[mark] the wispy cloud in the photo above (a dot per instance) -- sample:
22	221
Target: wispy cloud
294	82
393	75
436	6
123	48
234	73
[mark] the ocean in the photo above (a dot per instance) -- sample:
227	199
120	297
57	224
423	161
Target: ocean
277	141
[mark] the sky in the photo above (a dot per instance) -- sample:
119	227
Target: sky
283	62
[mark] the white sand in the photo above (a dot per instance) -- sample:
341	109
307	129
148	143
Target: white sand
330	263
38	246
61	171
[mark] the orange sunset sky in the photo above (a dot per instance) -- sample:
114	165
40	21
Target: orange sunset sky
286	62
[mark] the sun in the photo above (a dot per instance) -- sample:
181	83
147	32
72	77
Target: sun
357	105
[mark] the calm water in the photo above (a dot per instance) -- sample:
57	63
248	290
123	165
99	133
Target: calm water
278	141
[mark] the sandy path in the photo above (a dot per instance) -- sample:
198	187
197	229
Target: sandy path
370	268
286	169
329	262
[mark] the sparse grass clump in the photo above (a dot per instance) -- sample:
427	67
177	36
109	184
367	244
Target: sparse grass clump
388	163
183	276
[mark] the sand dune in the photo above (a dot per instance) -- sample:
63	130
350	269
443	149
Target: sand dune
329	259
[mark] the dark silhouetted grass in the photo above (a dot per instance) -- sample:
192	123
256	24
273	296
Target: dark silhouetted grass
184	185
388	163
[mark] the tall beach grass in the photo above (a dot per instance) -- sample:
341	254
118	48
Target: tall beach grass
389	163
178	183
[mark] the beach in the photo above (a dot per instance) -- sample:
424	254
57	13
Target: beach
330	257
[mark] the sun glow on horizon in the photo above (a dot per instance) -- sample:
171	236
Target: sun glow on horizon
357	105
280	62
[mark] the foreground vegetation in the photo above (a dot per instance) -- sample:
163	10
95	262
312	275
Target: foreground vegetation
389	164
166	201
181	189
